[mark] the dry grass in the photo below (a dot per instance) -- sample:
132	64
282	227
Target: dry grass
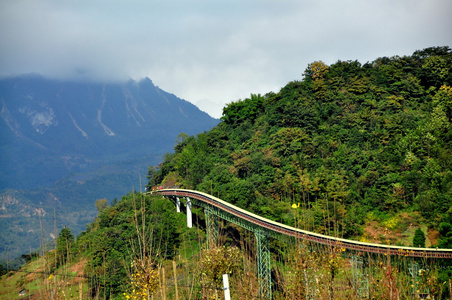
37	283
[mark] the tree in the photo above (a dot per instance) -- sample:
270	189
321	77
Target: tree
65	246
101	204
181	142
419	238
151	178
377	137
129	239
248	109
144	279
2	270
216	262
316	70
445	230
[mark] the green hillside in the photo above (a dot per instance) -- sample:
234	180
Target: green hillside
360	149
356	151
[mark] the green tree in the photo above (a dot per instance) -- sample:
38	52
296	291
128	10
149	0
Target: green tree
248	109
136	228
2	270
445	230
317	70
101	204
65	246
419	238
151	178
376	136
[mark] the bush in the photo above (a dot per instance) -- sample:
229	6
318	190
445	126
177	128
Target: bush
419	238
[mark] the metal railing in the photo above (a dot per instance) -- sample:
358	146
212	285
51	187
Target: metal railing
275	227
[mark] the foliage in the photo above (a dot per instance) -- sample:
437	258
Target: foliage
240	111
144	279
65	246
348	137
29	257
2	270
218	261
419	238
136	228
101	204
445	230
350	144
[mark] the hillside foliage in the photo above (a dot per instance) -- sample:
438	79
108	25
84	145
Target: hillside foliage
347	142
131	230
348	147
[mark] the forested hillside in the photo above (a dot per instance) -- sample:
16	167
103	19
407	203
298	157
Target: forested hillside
346	146
129	238
64	144
348	150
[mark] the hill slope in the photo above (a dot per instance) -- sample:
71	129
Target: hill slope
357	149
360	151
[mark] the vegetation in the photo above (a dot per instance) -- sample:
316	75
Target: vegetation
218	261
351	150
419	238
132	231
352	143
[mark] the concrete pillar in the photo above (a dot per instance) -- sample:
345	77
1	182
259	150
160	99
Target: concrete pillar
189	216
177	204
227	293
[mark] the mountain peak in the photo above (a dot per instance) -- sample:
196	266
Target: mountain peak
88	120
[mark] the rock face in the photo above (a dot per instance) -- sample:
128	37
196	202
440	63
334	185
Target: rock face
51	128
63	145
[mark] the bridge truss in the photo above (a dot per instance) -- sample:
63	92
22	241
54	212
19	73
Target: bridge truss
264	229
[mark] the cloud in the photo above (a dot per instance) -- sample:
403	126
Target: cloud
210	52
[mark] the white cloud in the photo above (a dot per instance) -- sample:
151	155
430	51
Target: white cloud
210	52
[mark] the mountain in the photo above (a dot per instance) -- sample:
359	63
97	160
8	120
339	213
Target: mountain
65	144
357	151
49	128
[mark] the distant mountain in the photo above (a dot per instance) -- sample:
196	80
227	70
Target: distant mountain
65	144
50	128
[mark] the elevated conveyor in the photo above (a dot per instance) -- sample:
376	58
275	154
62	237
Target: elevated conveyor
305	235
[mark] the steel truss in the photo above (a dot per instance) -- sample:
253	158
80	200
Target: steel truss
212	227
415	272
264	229
263	263
262	242
360	279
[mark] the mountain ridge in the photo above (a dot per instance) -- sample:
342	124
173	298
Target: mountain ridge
77	121
65	144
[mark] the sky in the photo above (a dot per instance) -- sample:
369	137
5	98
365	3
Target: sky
213	52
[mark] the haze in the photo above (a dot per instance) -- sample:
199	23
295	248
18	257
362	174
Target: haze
210	52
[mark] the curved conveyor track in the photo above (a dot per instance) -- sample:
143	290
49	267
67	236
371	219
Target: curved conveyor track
304	234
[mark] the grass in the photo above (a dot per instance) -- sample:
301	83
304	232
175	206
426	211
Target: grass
397	229
295	265
36	282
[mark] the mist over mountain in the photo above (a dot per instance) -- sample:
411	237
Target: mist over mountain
50	128
65	144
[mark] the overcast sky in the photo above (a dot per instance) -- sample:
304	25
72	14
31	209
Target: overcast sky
210	52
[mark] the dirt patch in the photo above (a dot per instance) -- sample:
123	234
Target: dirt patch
396	230
433	236
78	272
377	233
30	277
36	269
